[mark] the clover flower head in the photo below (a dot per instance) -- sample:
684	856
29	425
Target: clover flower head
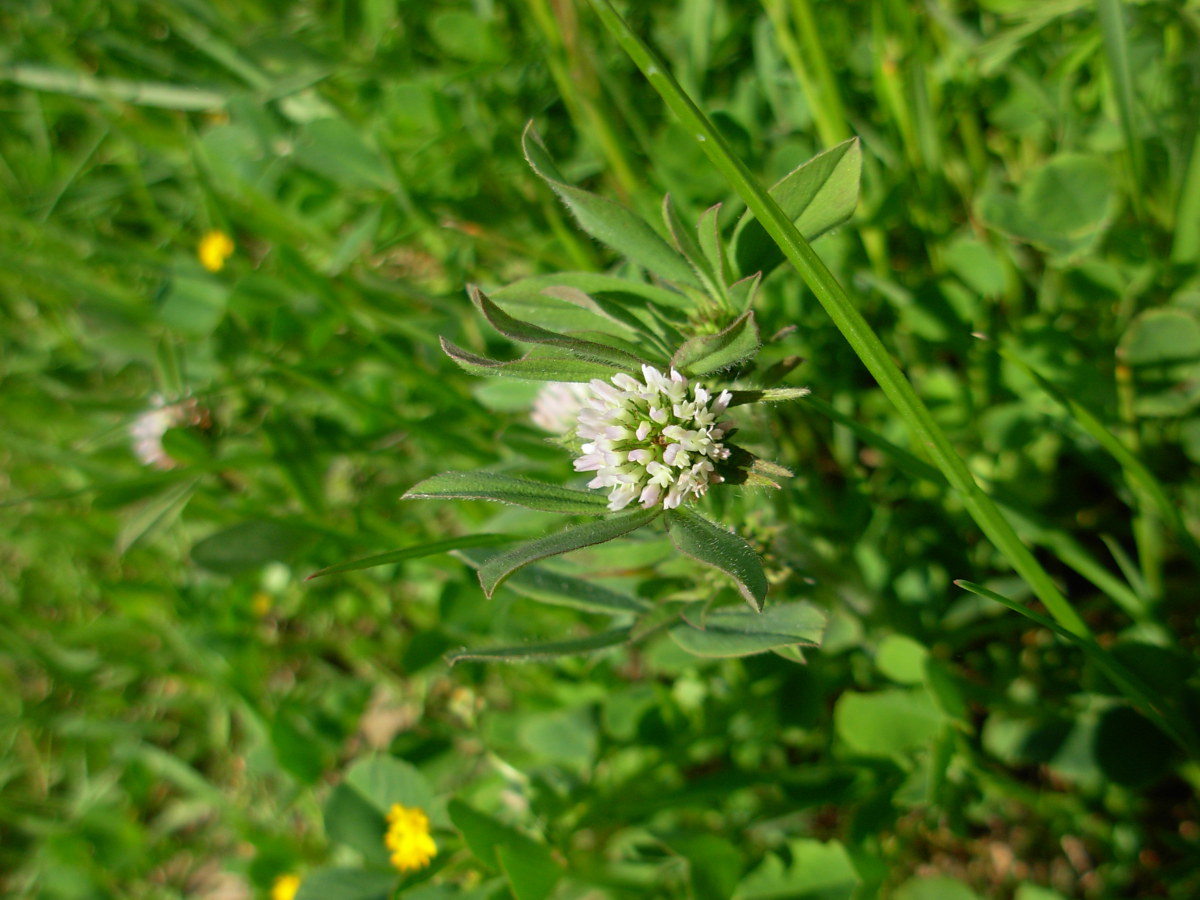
408	839
147	430
655	441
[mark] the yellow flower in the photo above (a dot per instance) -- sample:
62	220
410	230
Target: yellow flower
261	604
215	247
285	887
408	838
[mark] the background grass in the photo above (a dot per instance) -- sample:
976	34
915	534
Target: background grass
176	703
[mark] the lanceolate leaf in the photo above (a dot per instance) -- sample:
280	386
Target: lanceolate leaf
770	395
509	489
414	552
712	545
549	650
539	583
609	222
493	573
817	196
628	311
529	333
743	292
711	352
726	633
532	366
685	241
598	284
709	231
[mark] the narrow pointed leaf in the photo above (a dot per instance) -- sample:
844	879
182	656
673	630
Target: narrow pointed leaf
548	650
609	222
509	489
741	633
769	395
528	333
1134	470
532	366
712	352
685	241
606	309
709	231
817	196
1139	693
493	573
598	284
541	584
629	312
743	293
414	552
709	543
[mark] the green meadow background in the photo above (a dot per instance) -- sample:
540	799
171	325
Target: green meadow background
179	708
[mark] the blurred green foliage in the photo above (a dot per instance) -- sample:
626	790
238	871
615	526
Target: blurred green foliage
181	715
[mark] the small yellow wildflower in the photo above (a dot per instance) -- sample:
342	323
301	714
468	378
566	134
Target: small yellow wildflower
215	247
285	887
261	603
408	838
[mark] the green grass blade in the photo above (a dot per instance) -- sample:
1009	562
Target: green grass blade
847	318
1069	551
1116	48
1140	478
117	90
1139	693
1185	246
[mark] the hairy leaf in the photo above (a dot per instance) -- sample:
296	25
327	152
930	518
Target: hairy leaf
548	650
541	584
709	543
509	489
414	552
533	366
493	573
769	395
707	353
817	196
609	222
742	632
516	330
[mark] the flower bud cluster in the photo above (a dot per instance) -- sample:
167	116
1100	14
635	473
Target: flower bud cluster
654	442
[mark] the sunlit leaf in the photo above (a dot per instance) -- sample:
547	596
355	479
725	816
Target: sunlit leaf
712	545
414	552
509	489
707	353
493	573
609	222
528	333
817	196
534	366
744	632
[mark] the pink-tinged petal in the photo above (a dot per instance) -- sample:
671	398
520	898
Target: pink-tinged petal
650	495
